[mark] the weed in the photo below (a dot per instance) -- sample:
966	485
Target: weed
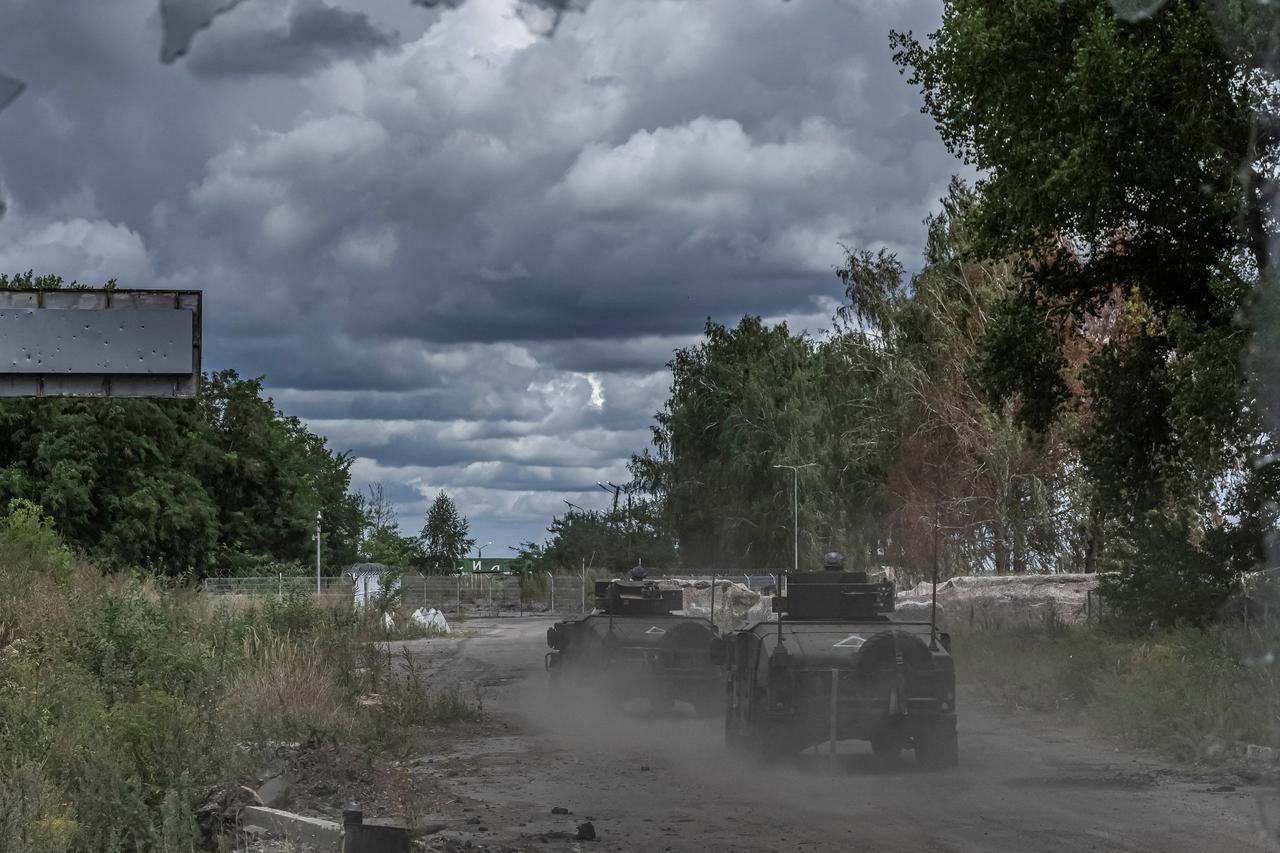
123	700
1191	694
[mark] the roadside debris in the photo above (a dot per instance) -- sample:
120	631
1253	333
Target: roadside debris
586	832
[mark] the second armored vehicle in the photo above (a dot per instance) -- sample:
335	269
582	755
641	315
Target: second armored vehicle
635	645
834	666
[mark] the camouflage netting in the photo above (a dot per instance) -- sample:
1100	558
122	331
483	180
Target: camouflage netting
988	601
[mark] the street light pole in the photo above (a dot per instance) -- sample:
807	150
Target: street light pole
795	506
317	552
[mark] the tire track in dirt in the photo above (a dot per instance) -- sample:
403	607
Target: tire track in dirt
668	784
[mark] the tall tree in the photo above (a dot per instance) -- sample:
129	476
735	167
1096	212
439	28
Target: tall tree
743	400
1124	174
380	537
445	536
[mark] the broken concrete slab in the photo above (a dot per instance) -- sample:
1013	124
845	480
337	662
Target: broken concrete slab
326	834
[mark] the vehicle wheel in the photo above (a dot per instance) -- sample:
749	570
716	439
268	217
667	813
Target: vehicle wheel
937	750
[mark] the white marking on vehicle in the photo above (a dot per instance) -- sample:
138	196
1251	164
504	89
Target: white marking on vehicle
656	630
850	642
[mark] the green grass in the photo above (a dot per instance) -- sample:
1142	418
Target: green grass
1192	695
124	703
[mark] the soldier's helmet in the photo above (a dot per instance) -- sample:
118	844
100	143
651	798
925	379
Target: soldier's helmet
639	573
833	562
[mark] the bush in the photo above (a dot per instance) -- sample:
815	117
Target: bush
1191	694
123	701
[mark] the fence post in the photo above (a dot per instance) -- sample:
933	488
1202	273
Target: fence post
552	607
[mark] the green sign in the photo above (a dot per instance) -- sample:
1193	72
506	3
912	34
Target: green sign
489	565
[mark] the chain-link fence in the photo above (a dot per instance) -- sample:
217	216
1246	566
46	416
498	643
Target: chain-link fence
479	594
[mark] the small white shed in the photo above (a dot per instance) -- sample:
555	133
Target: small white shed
369	581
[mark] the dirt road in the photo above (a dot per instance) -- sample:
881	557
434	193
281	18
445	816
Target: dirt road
669	784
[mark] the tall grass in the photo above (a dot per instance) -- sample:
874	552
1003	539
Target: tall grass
1194	695
124	703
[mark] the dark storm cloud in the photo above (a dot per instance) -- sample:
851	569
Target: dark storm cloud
315	36
468	255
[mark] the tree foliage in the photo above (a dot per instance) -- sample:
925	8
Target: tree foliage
219	485
614	541
380	538
215	486
1126	167
445	537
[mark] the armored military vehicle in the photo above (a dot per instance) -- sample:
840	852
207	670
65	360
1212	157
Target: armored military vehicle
834	666
634	645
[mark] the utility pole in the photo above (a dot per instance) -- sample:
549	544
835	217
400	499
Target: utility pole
611	487
317	552
795	506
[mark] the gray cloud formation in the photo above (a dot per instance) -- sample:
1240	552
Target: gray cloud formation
315	36
468	254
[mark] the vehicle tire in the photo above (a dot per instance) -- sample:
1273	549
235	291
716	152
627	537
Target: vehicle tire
938	750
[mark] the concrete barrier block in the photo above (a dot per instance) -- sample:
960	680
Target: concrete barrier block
324	834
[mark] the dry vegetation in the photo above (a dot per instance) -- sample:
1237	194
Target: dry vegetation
124	703
1193	695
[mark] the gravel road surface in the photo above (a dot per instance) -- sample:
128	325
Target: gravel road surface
1024	783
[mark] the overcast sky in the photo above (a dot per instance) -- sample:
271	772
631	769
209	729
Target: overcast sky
461	250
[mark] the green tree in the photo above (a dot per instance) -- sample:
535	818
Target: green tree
445	536
225	483
614	541
380	538
741	401
1125	178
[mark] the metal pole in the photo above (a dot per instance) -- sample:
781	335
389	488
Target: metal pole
584	586
835	687
795	508
552	578
317	552
795	517
713	599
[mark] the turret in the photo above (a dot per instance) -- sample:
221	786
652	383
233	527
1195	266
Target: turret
834	593
636	598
